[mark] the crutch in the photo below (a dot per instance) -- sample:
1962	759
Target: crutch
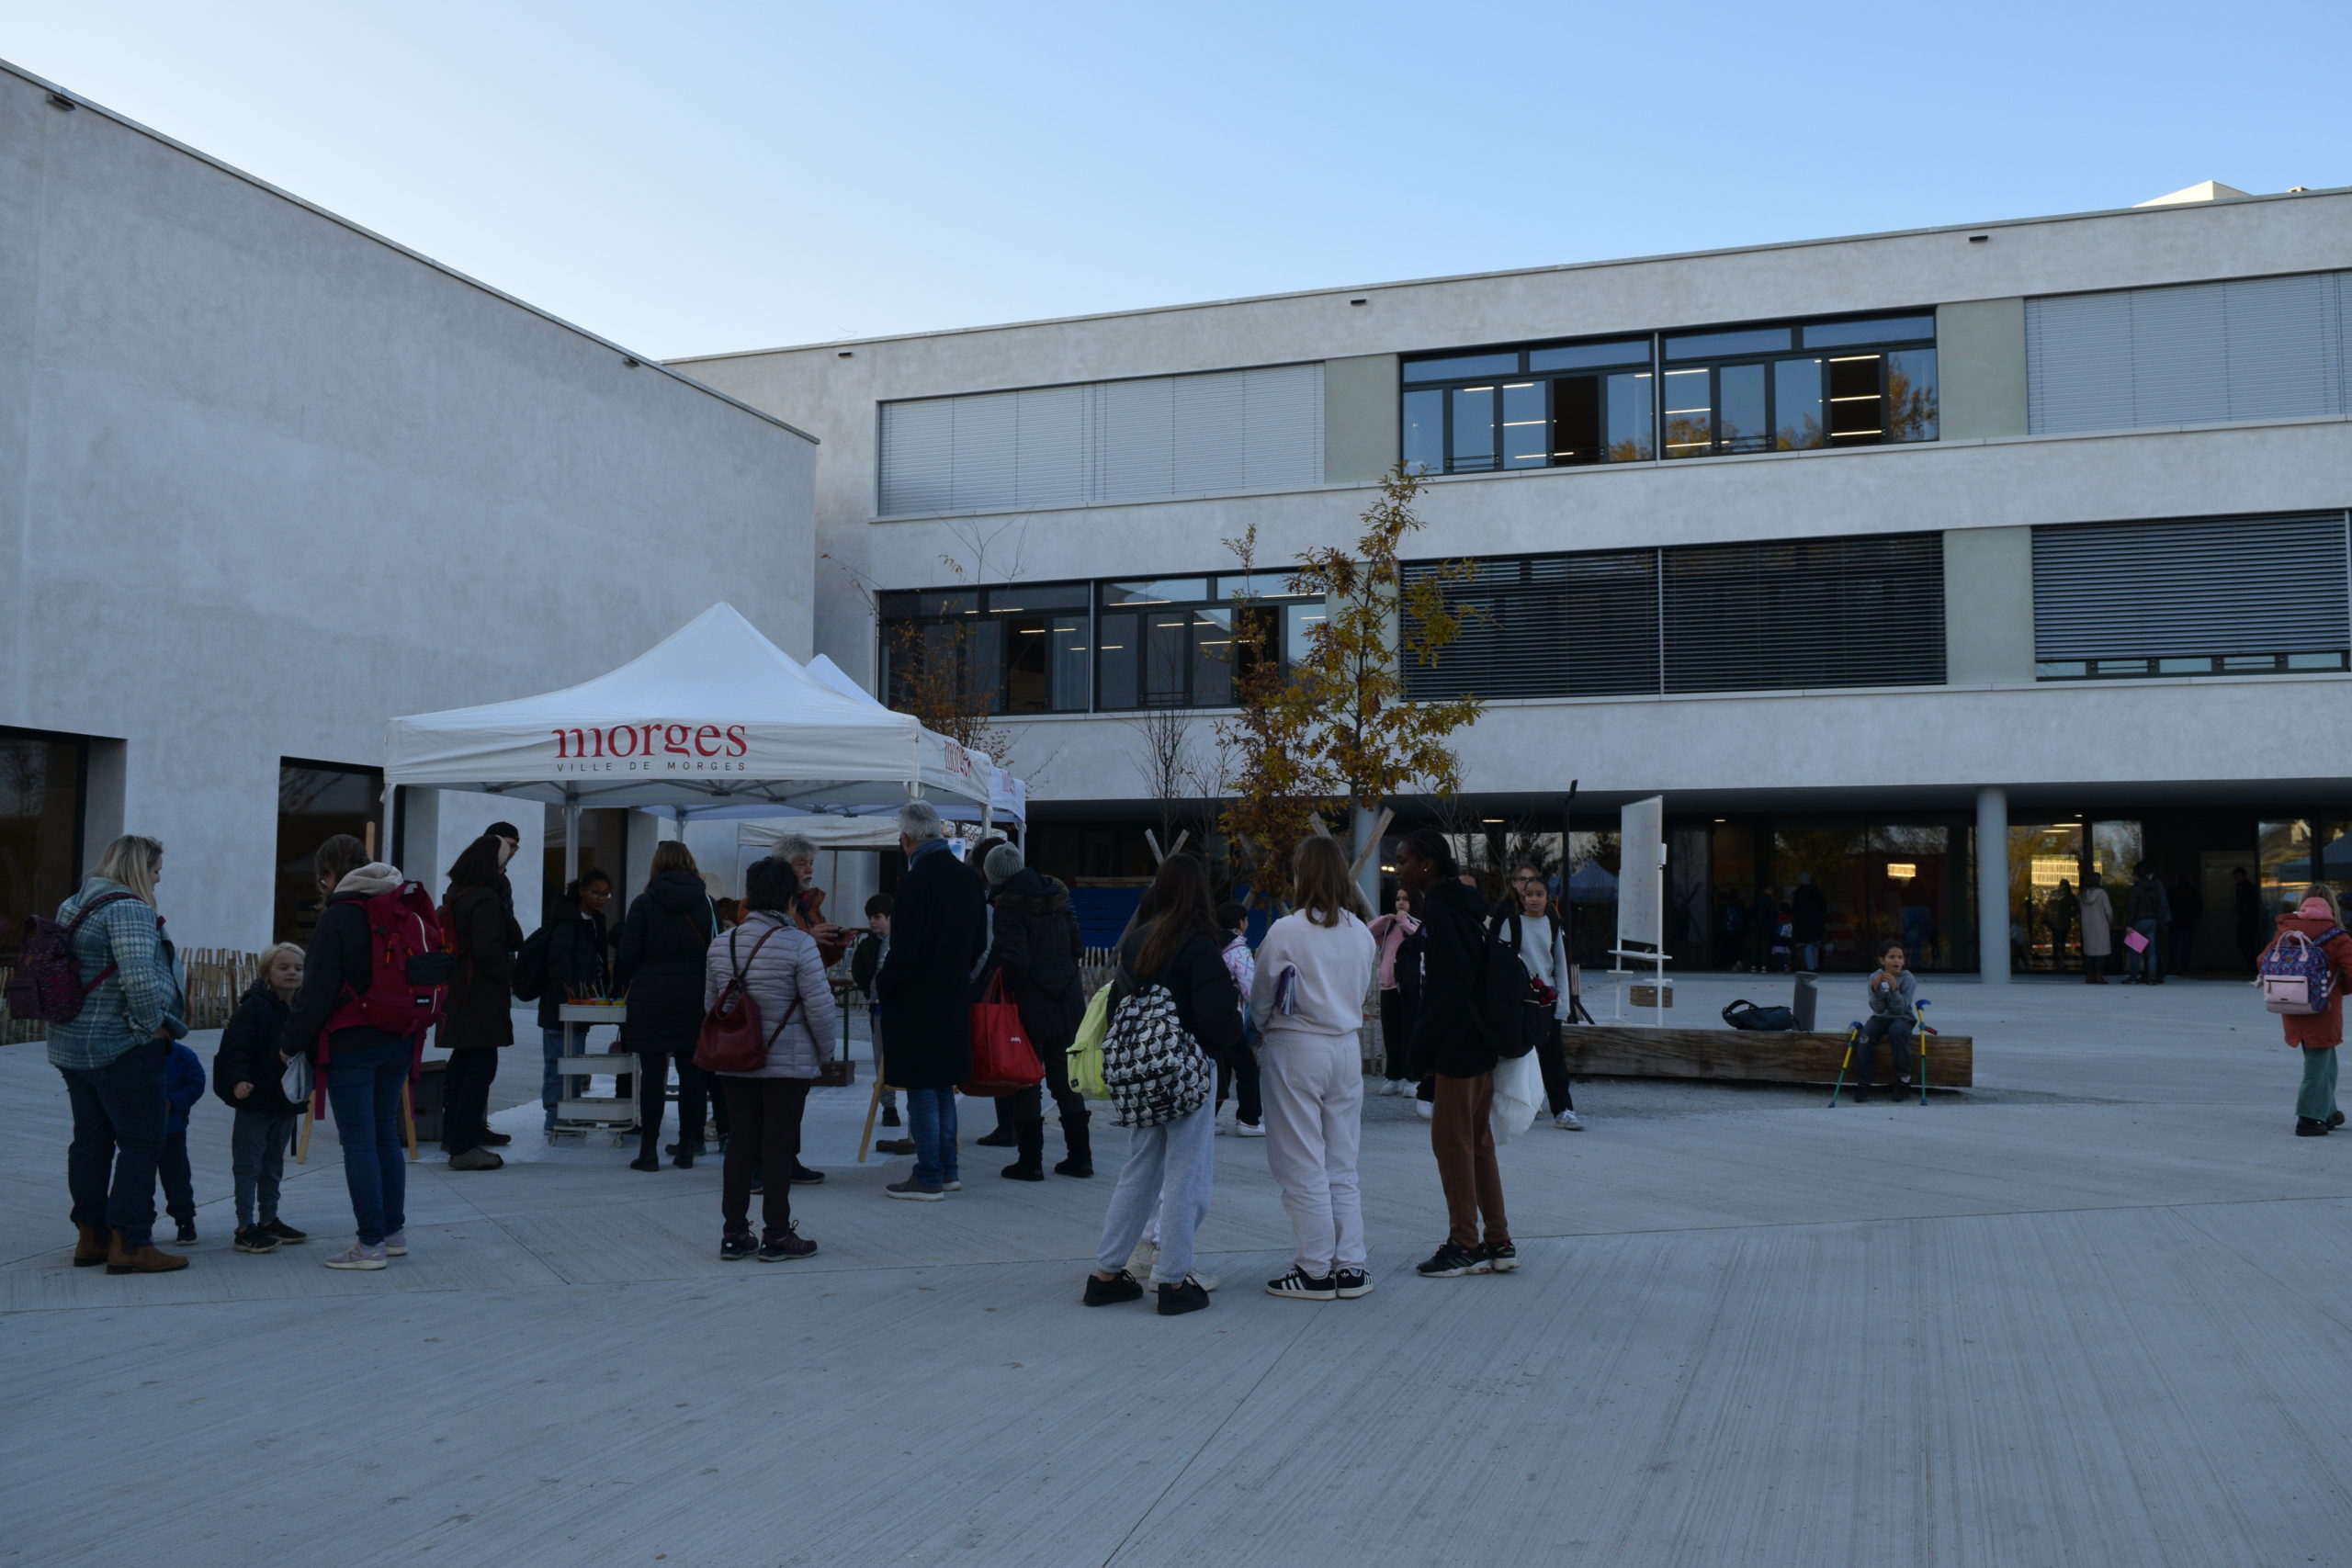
1920	1066
1853	1032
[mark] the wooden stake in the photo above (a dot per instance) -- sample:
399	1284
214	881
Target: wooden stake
873	1105
303	1152
407	1121
370	839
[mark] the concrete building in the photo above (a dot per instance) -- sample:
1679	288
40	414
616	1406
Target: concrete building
1932	568
267	479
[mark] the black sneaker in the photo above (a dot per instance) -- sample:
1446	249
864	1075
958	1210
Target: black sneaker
496	1140
286	1234
1119	1286
1352	1282
1177	1300
1501	1258
2336	1119
647	1162
804	1177
683	1147
253	1238
734	1248
1023	1170
889	1116
785	1246
1451	1262
1298	1285
186	1236
2307	1128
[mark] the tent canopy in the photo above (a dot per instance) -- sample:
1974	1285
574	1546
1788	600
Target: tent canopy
1007	796
714	721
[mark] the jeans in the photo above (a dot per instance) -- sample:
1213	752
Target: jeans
1898	1033
1462	1136
364	1091
553	1086
1238	1077
257	1158
765	1114
1809	957
2317	1101
1314	1125
653	1090
120	1114
2149	961
1168	1168
465	1097
179	1181
931	1121
1553	1060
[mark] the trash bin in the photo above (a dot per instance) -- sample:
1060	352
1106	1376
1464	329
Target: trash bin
1802	1004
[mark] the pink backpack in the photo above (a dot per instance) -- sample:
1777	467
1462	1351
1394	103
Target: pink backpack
2296	976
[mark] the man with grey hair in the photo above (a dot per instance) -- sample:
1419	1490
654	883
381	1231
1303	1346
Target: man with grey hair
938	932
1035	946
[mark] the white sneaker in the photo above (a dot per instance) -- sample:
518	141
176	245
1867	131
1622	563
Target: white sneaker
396	1245
1425	1108
356	1257
1144	1259
1568	1122
1392	1086
1249	1129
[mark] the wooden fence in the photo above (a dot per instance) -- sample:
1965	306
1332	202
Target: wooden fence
213	978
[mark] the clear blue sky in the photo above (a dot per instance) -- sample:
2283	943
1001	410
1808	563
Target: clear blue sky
698	177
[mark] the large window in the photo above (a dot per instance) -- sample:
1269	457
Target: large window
1794	388
2192	596
43	785
315	801
1020	649
1179	641
1551	406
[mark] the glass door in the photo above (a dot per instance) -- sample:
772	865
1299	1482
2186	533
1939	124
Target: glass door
2046	912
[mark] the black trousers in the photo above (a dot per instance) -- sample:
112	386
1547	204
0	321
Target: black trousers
465	1097
765	1117
652	1090
1399	1010
1238	1078
1026	1108
1554	1063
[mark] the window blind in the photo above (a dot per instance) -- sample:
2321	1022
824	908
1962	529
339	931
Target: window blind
2190	353
1845	611
2186	588
1091	443
1566	626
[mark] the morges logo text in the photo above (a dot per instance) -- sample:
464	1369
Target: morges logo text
651	749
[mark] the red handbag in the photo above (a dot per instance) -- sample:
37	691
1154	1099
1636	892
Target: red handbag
730	1039
1003	1062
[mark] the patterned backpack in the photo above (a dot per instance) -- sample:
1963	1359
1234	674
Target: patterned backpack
2296	975
1154	1068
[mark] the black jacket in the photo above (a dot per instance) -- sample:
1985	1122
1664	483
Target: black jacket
1810	909
576	961
337	966
478	1013
1037	949
1449	1037
1206	1004
664	944
248	1053
864	962
938	935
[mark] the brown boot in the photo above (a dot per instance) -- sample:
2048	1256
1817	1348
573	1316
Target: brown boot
92	1246
140	1260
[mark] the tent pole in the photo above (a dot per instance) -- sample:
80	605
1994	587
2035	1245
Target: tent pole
571	839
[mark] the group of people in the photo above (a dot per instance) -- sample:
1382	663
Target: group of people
2162	922
1772	933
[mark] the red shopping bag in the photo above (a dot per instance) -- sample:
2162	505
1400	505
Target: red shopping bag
1003	1062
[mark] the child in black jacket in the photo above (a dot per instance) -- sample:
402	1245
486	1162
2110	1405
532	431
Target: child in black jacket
248	1074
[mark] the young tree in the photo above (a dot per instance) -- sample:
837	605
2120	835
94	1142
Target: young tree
1176	778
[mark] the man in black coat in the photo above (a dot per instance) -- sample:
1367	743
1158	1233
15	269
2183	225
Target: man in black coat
938	936
1036	948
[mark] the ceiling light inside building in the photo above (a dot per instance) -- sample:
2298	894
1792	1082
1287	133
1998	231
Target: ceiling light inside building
1902	870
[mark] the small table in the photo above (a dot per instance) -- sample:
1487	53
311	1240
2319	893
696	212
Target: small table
584	1114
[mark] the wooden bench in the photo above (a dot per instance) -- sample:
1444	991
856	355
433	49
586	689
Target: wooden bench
1753	1055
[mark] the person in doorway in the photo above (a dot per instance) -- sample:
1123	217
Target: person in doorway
577	942
2245	916
1451	1042
113	1056
1784	938
938	936
478	1016
1034	943
2187	914
785	975
1731	931
665	943
1238	1078
2318	1035
2150	913
1895	1018
1398	933
1176	943
2058	912
248	1077
2099	928
1810	913
182	1087
366	1066
1546	952
863	963
1763	917
1306	999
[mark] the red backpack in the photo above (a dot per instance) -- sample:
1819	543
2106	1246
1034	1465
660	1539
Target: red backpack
409	965
48	984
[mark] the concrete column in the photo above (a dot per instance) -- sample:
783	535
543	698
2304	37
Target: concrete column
1992	882
1368	880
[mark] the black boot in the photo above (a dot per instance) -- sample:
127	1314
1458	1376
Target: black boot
1029	1162
1079	1142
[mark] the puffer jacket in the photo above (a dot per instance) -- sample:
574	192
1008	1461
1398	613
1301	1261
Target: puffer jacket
784	969
248	1053
478	1013
2319	1031
1036	945
663	944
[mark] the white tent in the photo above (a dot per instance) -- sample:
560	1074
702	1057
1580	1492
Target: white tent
1007	796
714	721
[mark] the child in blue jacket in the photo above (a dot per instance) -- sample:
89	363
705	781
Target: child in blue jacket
183	1085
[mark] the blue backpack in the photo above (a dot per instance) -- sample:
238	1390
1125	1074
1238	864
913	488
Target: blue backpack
2296	976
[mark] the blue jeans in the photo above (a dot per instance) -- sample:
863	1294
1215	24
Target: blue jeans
553	1086
179	1181
364	1090
119	1113
931	1121
2149	962
1170	1165
257	1158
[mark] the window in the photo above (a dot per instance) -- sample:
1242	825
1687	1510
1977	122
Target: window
315	801
1178	642
1103	441
2192	596
43	787
2192	354
1797	388
1558	626
1017	649
1538	408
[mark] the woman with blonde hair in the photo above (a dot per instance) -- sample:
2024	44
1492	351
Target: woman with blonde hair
112	1055
665	943
1313	970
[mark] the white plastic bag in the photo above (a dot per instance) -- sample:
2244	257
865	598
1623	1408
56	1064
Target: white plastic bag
1519	1090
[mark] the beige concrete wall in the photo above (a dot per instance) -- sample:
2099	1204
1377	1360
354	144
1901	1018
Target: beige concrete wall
1988	604
1359	418
1980	369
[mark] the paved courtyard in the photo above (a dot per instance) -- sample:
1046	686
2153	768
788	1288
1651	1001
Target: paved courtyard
2096	1311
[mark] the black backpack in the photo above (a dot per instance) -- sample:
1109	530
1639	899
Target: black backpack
1747	1015
1515	1017
531	965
